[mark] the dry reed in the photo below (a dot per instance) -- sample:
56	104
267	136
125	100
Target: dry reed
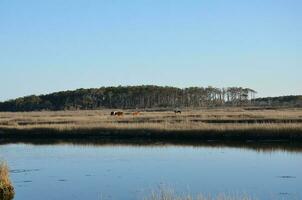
273	124
6	187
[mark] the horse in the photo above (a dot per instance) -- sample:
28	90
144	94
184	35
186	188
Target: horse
136	113
119	113
177	111
116	113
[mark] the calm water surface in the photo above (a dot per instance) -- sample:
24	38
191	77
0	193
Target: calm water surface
124	172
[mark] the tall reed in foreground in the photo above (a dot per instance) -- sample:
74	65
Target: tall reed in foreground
6	188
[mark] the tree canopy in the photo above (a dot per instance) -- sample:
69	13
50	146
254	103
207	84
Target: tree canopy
145	96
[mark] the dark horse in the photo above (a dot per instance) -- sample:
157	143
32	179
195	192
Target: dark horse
177	111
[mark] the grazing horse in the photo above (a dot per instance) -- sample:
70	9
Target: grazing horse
119	113
116	113
177	111
136	113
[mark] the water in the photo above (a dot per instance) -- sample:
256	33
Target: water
127	172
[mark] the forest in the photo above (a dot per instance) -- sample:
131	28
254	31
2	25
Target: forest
140	97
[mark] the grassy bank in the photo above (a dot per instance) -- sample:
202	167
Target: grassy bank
6	187
208	124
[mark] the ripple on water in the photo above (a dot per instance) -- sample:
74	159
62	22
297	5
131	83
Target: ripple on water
284	194
27	181
18	171
287	177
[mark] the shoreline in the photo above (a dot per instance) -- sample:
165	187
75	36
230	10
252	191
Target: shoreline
147	134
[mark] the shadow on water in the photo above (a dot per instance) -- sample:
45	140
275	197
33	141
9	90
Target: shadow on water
256	145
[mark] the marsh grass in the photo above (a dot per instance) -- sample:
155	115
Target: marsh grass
169	194
6	187
203	124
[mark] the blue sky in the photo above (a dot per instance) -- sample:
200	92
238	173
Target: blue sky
54	45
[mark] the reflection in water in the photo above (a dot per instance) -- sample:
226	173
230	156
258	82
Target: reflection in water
260	146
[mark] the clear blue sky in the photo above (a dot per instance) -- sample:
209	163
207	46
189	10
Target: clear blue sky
54	45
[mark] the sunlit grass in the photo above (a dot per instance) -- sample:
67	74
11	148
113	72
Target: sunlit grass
213	122
6	187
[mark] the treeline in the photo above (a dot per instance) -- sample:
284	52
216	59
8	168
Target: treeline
284	101
131	97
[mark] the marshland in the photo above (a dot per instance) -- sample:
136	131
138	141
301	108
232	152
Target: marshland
205	153
150	100
99	154
203	124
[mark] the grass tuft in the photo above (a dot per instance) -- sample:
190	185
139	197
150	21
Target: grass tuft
6	188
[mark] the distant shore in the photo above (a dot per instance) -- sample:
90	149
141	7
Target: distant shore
197	125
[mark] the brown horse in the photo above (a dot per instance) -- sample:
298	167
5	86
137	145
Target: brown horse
136	113
119	113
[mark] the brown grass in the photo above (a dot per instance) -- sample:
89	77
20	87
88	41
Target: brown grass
6	187
219	121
